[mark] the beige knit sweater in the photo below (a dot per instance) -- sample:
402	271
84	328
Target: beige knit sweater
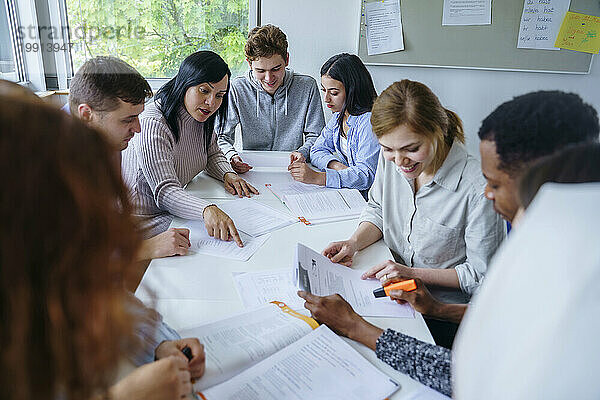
155	169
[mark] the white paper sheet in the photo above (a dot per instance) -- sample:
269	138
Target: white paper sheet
240	341
260	178
467	12
257	288
323	205
425	393
202	243
540	23
318	275
291	188
320	365
384	27
255	218
263	160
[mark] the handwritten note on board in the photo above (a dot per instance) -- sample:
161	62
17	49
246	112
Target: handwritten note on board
579	32
384	27
540	23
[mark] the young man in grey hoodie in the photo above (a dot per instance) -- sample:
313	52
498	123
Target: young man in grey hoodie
277	108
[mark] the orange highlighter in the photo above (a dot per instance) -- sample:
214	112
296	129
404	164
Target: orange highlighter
384	291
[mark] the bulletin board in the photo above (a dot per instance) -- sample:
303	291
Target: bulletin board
429	44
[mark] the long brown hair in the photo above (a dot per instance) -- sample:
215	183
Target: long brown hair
66	240
413	104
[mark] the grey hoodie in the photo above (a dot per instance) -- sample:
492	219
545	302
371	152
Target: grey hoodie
291	119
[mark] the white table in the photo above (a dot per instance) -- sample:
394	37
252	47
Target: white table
194	289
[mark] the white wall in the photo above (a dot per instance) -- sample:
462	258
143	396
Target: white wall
318	29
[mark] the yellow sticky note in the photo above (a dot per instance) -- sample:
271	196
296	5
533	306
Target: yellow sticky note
579	32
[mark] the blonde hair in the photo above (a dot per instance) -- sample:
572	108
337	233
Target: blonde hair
413	104
266	41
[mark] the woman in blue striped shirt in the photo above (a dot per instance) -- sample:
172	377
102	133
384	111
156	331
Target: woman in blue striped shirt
347	150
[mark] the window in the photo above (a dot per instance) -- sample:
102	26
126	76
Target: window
8	66
154	36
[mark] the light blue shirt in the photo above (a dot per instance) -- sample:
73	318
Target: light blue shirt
363	153
151	331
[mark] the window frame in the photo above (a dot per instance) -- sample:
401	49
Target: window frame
65	67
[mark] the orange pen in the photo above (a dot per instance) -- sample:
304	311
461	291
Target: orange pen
407	286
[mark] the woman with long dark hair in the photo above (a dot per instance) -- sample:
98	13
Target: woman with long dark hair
347	150
176	143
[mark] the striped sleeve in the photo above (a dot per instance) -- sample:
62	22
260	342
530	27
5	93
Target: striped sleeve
156	160
217	165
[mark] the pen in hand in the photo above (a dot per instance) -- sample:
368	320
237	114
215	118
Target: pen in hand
187	352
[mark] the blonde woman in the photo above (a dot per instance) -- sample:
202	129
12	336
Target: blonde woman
427	201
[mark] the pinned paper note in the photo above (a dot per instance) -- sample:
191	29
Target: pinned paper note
384	27
467	12
540	23
579	32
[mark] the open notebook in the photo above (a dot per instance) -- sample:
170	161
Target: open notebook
275	353
311	204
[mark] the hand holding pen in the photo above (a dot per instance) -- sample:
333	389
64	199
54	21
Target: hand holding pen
189	349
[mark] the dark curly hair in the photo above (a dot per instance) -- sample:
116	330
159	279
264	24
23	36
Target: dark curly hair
576	164
538	124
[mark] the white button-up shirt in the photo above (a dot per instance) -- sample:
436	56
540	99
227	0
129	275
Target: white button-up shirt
448	223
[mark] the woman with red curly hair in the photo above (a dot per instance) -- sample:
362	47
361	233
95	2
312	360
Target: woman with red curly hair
66	242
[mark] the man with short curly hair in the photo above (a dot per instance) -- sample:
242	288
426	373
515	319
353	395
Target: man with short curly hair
515	135
277	108
525	129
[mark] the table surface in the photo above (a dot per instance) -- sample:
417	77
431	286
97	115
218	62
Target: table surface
191	290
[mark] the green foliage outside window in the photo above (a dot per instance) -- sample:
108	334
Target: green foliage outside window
156	35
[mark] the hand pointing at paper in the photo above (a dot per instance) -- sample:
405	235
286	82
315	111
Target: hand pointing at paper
220	226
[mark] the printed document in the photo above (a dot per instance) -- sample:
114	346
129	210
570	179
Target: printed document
467	12
540	23
240	341
203	243
334	204
255	218
321	365
261	287
260	178
384	27
316	274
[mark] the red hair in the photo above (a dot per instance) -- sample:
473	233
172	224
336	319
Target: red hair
66	241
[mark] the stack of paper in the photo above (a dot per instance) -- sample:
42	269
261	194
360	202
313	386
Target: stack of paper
326	206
